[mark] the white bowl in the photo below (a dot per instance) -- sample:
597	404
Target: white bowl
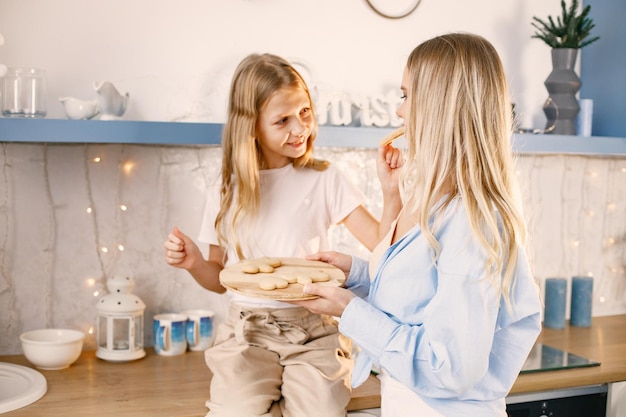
79	109
51	349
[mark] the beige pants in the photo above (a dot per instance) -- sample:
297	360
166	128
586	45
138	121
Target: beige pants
286	362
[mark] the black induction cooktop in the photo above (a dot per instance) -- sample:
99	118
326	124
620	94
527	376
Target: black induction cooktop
547	358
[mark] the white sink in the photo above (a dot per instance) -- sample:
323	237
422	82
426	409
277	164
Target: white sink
19	386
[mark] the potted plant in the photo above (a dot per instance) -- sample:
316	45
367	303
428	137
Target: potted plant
569	31
565	36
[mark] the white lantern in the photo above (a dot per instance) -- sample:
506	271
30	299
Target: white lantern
120	322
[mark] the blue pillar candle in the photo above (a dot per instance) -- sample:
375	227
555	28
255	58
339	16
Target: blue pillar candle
554	316
581	303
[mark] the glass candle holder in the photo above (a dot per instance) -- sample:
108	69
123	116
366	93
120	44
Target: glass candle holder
24	93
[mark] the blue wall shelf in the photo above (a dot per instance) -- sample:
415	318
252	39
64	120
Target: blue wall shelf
182	133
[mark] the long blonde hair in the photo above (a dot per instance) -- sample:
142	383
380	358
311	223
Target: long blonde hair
256	78
458	124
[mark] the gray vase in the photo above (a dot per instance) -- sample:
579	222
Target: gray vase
561	107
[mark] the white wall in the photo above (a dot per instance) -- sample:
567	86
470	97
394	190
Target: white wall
175	58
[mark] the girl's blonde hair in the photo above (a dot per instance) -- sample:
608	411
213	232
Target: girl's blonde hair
459	123
256	79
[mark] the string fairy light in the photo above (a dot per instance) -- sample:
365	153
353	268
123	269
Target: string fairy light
91	282
591	209
91	210
106	262
576	206
585	202
604	284
125	169
565	229
128	167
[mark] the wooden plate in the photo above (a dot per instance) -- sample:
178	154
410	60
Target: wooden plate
234	278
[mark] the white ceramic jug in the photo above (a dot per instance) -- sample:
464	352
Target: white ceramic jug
111	103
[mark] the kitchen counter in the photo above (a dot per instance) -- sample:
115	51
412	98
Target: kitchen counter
155	386
604	342
178	386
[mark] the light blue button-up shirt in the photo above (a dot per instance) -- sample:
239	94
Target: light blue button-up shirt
442	329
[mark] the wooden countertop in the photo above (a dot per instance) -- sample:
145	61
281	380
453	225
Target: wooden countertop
155	386
178	386
604	342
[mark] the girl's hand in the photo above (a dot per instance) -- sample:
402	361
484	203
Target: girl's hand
332	301
181	251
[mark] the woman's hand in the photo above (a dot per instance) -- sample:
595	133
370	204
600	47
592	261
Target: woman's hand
336	259
332	301
388	162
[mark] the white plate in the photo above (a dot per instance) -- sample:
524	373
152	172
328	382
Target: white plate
19	386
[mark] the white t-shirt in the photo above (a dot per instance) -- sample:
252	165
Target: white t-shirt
298	205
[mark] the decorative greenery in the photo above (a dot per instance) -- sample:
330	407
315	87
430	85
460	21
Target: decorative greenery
569	31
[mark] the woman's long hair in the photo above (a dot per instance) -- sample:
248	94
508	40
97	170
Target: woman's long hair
256	79
459	122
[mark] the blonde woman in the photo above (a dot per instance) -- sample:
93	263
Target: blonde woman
272	358
452	309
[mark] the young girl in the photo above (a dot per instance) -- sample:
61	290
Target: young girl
452	309
272	358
